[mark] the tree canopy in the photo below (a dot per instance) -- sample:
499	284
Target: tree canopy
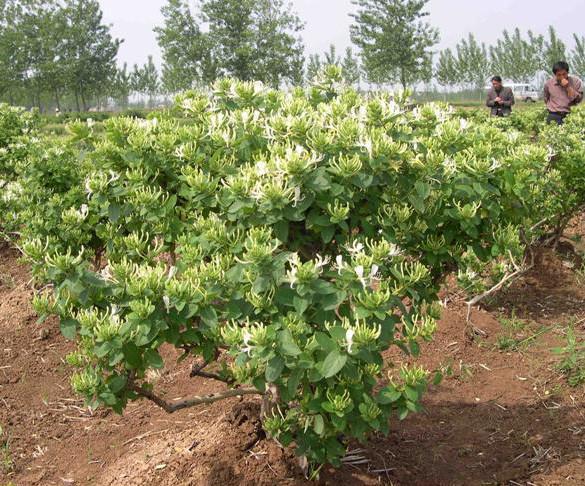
394	40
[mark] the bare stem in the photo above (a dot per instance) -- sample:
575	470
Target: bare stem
510	277
213	376
171	407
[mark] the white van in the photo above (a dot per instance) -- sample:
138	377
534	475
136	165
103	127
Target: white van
525	92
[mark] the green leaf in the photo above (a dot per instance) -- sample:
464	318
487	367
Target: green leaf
388	395
417	203
330	302
132	355
327	234
103	349
318	424
117	383
327	344
293	382
68	328
114	212
209	316
274	369
300	305
259	383
333	364
423	189
411	393
403	413
338	333
108	398
414	348
288	344
153	359
323	287
281	230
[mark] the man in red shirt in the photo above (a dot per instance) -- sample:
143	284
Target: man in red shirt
561	93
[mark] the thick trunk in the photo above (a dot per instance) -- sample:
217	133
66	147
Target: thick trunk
77	101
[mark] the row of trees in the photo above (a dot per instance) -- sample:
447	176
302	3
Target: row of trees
516	56
60	52
260	39
246	39
55	49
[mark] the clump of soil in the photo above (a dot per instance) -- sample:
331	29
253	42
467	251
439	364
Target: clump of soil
504	414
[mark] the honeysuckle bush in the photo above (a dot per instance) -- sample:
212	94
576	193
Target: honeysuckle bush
287	240
568	164
17	129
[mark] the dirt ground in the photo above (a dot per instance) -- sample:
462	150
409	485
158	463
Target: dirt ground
504	416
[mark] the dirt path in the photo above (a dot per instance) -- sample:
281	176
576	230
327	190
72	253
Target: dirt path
505	415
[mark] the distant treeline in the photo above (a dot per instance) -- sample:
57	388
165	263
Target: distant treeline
61	54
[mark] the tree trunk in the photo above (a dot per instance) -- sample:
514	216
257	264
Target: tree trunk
57	99
77	100
83	102
403	79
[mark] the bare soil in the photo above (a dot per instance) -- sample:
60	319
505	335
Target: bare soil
504	415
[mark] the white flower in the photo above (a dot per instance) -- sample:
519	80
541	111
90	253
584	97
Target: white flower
349	339
115	317
463	123
321	262
294	262
262	168
339	263
450	166
394	251
297	196
374	271
292	277
496	164
187	104
355	248
88	188
84	211
167	302
172	272
106	274
367	144
113	176
90	122
550	153
247	346
359	271
257	192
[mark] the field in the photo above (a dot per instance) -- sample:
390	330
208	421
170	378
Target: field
308	269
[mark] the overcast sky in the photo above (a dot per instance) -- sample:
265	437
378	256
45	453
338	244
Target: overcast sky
327	21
